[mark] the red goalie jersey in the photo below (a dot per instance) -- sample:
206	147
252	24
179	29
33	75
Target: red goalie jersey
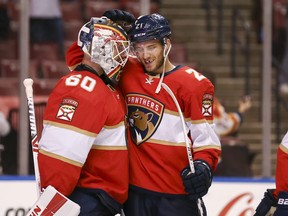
83	140
156	138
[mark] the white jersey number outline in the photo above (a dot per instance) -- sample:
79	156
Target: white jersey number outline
87	83
197	75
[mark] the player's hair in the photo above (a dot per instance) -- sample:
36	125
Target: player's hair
150	27
103	39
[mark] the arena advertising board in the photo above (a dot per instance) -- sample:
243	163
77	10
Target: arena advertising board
226	197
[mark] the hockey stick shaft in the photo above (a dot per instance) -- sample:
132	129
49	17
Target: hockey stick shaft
28	83
188	149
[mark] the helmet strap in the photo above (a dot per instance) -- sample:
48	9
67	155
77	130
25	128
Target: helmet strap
165	55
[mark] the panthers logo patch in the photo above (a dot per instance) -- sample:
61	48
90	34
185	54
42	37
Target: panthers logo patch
144	116
207	102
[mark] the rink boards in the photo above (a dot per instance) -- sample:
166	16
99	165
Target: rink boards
226	197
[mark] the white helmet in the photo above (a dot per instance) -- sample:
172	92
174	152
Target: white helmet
106	43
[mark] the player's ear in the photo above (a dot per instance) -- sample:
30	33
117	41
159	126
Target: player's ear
167	44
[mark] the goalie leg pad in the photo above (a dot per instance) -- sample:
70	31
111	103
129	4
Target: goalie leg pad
52	202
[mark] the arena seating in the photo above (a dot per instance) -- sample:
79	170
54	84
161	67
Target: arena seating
10	68
53	69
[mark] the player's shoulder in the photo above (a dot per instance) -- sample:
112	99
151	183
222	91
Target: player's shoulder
132	62
190	81
132	66
186	74
83	86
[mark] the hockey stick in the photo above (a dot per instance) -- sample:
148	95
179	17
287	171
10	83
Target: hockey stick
28	83
188	149
50	201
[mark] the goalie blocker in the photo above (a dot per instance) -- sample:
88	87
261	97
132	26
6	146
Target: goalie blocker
52	202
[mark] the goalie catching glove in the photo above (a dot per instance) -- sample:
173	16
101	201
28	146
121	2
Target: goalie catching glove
197	184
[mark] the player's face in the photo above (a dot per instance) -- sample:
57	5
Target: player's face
150	54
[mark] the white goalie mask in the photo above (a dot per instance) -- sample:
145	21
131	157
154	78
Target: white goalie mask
106	43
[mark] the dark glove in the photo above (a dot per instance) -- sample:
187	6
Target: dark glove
266	203
121	17
197	184
282	205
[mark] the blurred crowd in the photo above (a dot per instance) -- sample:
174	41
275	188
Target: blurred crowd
279	37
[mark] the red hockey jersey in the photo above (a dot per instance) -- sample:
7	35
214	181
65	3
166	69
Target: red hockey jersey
157	149
282	166
83	141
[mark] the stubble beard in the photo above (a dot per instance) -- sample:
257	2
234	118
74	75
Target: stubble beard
157	69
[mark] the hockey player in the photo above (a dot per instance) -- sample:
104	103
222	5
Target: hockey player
161	182
82	151
277	197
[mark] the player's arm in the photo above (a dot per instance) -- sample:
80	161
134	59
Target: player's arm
282	166
67	136
277	197
206	144
282	178
74	56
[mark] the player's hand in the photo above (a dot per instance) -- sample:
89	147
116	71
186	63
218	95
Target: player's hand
121	17
266	203
245	104
197	184
282	204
